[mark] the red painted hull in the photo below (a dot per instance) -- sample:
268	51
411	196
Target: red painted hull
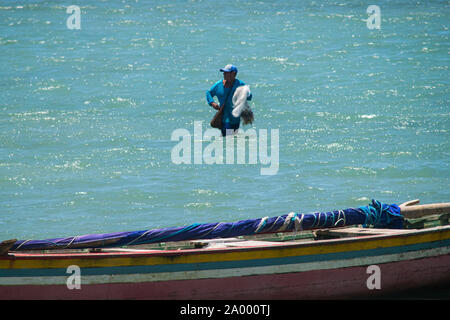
318	284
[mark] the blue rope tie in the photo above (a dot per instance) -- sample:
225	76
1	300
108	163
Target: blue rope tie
381	215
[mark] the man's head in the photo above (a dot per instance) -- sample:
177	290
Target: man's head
229	72
229	68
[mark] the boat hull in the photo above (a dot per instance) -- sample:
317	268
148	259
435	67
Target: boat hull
317	284
327	269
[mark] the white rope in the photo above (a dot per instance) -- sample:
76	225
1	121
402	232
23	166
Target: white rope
208	232
73	239
134	240
261	224
339	217
286	222
298	222
22	244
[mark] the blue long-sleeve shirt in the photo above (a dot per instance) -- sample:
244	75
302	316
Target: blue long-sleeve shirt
221	93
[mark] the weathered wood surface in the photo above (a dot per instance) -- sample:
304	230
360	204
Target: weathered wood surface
412	209
6	245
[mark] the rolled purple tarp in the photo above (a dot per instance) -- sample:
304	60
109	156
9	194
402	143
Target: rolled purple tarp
377	214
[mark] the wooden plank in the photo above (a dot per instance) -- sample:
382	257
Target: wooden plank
232	242
357	232
123	250
218	240
418	211
252	243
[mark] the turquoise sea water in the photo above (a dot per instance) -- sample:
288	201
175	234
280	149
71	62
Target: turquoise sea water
86	116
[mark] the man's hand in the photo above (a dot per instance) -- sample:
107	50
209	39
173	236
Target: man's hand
215	105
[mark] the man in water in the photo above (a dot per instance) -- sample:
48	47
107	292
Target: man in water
224	90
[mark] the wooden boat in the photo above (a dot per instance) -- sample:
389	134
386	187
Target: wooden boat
330	263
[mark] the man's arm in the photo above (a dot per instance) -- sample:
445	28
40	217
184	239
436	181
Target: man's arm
209	97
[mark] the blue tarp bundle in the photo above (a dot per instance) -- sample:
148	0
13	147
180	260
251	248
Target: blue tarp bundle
377	214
